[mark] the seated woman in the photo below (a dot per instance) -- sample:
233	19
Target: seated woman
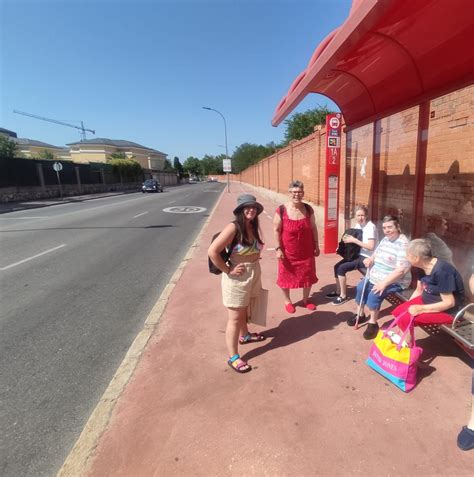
367	246
439	293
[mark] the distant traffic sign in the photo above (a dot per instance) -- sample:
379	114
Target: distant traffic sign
226	165
57	166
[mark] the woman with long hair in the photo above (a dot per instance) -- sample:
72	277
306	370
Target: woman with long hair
241	276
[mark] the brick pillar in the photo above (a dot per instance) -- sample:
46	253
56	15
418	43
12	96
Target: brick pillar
78	178
39	170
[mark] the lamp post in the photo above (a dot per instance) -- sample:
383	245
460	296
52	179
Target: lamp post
225	133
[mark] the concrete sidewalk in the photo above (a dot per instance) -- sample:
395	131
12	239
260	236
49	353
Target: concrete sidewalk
310	406
39	203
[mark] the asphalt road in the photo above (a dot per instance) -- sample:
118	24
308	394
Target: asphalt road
77	283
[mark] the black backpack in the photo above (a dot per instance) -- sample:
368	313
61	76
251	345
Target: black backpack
225	255
350	251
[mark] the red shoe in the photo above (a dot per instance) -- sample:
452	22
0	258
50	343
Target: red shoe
310	306
290	308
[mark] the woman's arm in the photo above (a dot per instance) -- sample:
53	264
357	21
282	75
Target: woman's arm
447	302
219	244
314	228
417	291
277	234
369	245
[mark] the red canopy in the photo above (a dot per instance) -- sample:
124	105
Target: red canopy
387	56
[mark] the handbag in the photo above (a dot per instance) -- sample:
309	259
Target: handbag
258	308
395	359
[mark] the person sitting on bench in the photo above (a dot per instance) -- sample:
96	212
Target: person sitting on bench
439	294
389	273
367	246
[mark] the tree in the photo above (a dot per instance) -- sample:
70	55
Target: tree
168	166
211	165
193	166
178	167
8	148
46	155
118	155
125	166
301	125
247	154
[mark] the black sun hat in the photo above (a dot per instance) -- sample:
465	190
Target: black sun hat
247	200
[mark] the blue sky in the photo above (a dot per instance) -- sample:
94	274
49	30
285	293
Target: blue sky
142	70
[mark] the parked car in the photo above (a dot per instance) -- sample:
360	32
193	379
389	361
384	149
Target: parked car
152	185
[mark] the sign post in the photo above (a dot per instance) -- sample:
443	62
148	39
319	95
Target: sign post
57	166
227	167
331	182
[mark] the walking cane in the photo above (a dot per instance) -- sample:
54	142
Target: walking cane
361	304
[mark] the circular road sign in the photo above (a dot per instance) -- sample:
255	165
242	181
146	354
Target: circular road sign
57	166
334	122
184	209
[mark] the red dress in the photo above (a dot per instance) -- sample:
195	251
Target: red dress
298	268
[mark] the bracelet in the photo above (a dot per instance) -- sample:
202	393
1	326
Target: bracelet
277	248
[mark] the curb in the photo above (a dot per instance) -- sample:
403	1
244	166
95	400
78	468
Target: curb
77	461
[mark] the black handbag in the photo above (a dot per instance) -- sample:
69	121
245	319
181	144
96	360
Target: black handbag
349	251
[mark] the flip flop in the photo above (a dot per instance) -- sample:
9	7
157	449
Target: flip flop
251	338
238	367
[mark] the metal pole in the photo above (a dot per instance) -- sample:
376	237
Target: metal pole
225	133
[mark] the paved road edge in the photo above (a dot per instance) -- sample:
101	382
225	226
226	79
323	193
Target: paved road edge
77	461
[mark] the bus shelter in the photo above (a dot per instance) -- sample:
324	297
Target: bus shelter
402	74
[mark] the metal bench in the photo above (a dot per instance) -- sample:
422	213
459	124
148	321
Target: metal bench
461	329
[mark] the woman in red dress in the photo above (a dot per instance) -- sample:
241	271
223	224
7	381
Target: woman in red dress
296	236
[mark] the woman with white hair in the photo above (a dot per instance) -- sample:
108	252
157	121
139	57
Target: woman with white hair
439	293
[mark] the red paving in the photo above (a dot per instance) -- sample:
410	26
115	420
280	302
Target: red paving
310	406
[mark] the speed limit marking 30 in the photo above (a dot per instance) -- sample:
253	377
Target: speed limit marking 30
184	209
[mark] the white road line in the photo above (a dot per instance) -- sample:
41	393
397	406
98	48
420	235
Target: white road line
139	215
34	256
25	218
172	202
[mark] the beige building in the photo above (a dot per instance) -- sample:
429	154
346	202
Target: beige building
32	149
101	149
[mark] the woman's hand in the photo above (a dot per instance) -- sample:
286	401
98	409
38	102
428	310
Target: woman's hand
279	253
349	239
316	252
415	309
237	270
368	262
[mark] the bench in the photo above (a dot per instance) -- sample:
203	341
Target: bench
461	329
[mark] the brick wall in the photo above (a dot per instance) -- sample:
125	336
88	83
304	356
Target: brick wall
387	150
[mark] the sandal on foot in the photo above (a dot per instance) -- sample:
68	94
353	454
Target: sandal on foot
251	338
309	306
241	367
290	308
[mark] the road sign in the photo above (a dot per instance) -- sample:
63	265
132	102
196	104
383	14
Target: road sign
57	166
226	165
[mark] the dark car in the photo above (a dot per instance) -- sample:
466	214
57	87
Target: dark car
152	185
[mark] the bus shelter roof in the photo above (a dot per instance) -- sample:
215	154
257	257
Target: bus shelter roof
388	56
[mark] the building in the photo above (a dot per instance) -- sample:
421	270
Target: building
101	149
32	149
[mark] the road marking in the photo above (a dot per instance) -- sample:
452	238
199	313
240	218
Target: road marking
184	209
172	202
139	215
33	257
25	218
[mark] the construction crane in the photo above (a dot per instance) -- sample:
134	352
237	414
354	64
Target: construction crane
81	127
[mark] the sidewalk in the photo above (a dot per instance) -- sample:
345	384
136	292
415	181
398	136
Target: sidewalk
35	204
310	406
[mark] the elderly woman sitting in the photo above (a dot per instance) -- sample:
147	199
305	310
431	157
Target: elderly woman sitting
439	293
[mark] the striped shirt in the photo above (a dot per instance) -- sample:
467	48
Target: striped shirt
389	256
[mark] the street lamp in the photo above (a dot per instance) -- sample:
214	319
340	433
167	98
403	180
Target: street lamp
225	133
